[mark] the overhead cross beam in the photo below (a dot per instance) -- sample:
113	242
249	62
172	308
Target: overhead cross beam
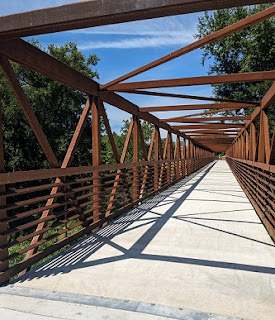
209	126
194	115
97	12
210	131
193	81
187	96
267	101
256	18
204	119
196	107
33	58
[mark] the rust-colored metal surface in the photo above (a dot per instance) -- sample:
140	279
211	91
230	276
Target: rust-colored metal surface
217	79
98	13
258	182
57	206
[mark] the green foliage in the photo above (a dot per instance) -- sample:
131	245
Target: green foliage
107	153
251	49
57	108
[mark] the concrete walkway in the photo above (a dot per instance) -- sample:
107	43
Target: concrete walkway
196	251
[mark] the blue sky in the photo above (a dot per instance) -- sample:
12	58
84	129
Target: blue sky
124	47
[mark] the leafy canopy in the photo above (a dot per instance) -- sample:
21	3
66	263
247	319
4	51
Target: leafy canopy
56	106
251	49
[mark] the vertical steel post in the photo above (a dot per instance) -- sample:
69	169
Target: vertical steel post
3	213
96	156
135	158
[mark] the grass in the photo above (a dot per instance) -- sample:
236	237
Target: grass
16	248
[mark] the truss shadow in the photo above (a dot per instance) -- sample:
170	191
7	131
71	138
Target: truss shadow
75	257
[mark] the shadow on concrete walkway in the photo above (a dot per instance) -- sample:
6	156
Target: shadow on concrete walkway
74	257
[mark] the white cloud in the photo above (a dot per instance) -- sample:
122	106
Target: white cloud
159	26
140	34
159	32
135	42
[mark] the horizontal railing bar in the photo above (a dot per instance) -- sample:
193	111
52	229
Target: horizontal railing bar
31	175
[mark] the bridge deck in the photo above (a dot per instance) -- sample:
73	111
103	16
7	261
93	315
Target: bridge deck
198	245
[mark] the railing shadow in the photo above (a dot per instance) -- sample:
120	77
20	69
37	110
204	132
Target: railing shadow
75	257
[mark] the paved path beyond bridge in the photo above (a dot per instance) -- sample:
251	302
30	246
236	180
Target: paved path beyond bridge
196	251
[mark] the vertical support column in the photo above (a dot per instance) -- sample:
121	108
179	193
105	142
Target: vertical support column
262	138
183	155
272	150
169	150
156	166
3	213
252	143
191	156
195	157
135	158
177	157
266	136
246	144
242	145
96	147
187	160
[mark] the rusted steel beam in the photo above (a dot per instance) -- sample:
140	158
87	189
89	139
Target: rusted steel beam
31	175
169	156
177	157
210	136
264	144
256	180
217	106
196	120
253	142
272	149
218	142
209	126
222	130
77	134
96	156
142	142
246	144
218	147
156	155
28	112
214	139
266	102
125	105
192	81
148	158
135	158
65	164
256	18
62	237
194	115
97	13
197	133
109	131
33	58
118	173
3	213
186	96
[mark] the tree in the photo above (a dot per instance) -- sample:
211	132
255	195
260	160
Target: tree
251	49
107	153
57	108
